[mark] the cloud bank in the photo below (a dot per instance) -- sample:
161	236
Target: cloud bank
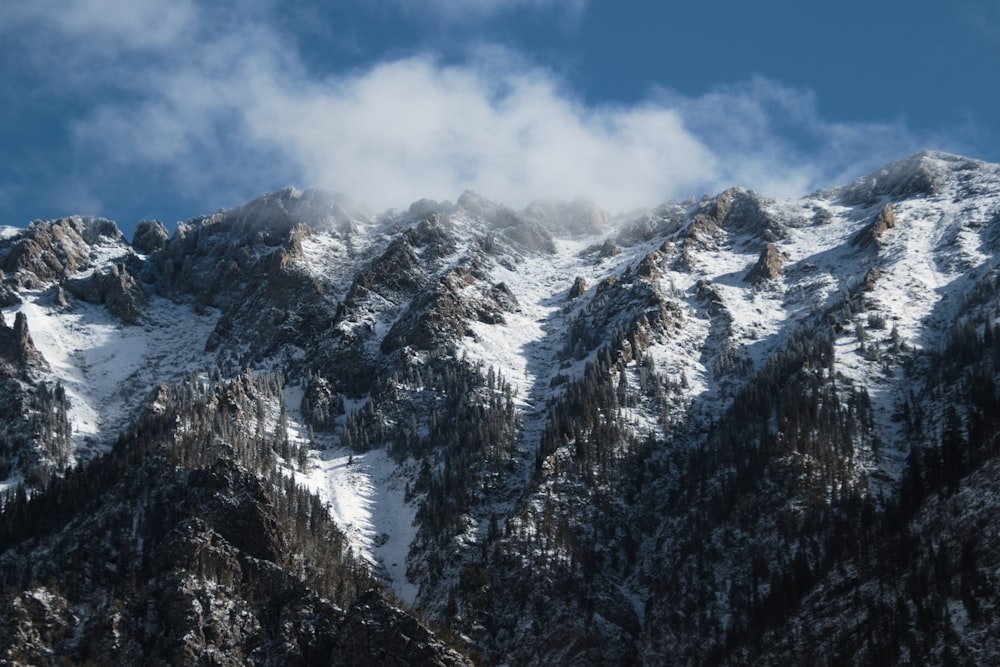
227	109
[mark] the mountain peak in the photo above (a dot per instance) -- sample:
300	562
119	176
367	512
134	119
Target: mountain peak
278	212
922	174
53	250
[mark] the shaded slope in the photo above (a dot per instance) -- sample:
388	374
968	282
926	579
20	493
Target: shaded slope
182	546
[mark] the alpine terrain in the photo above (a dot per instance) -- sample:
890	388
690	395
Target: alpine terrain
730	431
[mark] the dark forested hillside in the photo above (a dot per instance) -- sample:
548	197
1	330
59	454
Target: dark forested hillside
184	544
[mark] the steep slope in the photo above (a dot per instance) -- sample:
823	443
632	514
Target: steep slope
572	438
187	546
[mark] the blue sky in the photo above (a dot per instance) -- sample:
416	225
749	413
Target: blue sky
145	109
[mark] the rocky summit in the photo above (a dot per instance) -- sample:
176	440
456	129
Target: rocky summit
738	430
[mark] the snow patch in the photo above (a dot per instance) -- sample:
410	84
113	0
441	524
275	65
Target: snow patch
109	369
366	494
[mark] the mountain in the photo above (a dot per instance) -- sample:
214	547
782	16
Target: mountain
727	431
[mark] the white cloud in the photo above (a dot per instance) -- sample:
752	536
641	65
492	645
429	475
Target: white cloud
231	110
105	25
772	137
403	130
411	128
466	10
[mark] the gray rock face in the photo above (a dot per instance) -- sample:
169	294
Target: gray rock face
17	348
149	236
609	249
736	210
578	289
53	251
768	266
376	633
871	236
872	276
919	175
8	296
527	232
436	319
116	288
682	465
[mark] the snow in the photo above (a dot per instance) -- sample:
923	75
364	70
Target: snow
525	349
108	369
924	259
321	252
366	496
10	484
518	349
107	251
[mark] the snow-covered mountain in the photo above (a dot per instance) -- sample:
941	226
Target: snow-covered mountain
720	431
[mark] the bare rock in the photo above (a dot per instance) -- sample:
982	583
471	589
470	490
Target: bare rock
685	261
605	285
8	297
609	249
376	633
150	236
649	267
54	251
443	315
528	232
578	288
117	289
710	297
59	297
736	210
871	277
16	346
921	174
872	234
768	267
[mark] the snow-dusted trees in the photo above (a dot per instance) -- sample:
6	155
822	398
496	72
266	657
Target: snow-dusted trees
200	471
52	431
321	404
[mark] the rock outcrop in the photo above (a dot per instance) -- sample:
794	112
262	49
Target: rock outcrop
53	251
376	633
920	175
872	276
116	288
578	289
436	319
739	211
871	235
187	549
737	432
17	348
768	267
149	236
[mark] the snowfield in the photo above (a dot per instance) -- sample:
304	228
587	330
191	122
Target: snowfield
108	369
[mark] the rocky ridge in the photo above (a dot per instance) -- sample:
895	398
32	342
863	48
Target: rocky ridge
670	436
